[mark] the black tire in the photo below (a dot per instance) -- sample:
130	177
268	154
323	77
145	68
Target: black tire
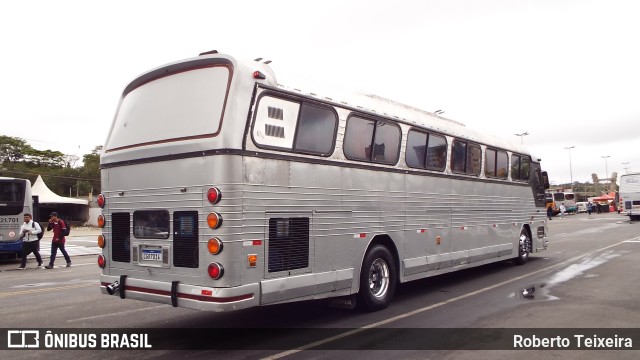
378	279
524	248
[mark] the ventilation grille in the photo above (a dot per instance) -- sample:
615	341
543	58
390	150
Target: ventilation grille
275	113
121	233
288	244
185	239
274	131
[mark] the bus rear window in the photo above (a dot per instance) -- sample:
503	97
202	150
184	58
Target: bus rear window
151	224
177	107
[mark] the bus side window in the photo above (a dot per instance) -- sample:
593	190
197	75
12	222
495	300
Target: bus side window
436	152
416	145
316	130
525	168
520	167
386	145
490	163
474	159
515	167
359	142
357	139
458	156
502	165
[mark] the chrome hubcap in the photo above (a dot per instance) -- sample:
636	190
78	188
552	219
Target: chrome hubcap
379	278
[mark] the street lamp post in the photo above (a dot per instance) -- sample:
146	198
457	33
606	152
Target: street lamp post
521	135
606	168
570	167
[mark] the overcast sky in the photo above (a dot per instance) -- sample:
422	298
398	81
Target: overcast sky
567	72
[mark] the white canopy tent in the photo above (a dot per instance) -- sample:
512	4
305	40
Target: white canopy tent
46	196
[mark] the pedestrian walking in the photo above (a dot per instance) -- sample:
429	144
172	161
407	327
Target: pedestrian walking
563	209
30	233
589	208
57	242
549	212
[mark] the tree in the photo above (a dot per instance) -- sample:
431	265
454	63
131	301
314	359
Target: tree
19	159
12	149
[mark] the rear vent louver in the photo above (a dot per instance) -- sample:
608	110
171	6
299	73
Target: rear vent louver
120	229
185	239
274	131
288	244
275	113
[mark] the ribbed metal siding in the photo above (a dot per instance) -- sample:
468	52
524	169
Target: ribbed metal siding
120	230
185	239
288	244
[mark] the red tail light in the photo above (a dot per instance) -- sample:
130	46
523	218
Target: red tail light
215	271
214	195
101	261
101	200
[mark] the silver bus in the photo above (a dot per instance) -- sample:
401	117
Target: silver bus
224	190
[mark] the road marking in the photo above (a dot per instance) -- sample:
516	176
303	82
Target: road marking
430	307
35	291
119	313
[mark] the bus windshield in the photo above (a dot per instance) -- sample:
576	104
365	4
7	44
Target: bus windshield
11	197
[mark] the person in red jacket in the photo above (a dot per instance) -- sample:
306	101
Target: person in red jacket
58	226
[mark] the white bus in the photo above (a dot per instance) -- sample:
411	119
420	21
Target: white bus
223	190
630	195
15	201
568	198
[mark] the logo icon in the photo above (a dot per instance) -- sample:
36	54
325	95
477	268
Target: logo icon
23	339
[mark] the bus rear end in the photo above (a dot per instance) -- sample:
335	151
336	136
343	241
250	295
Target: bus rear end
171	203
15	200
630	195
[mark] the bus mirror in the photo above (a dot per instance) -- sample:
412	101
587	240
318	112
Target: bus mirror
545	180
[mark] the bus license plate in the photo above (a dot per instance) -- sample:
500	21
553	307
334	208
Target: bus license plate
152	255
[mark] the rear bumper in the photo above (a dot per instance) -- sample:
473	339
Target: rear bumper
187	296
11	246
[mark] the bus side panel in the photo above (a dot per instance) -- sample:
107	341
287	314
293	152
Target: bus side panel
467	204
505	213
436	199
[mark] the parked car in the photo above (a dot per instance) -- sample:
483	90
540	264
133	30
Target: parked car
581	207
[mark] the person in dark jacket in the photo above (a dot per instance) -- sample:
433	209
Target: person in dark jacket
57	242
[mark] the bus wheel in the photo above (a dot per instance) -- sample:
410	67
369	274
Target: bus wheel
378	279
524	248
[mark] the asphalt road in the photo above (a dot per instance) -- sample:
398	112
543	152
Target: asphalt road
588	278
